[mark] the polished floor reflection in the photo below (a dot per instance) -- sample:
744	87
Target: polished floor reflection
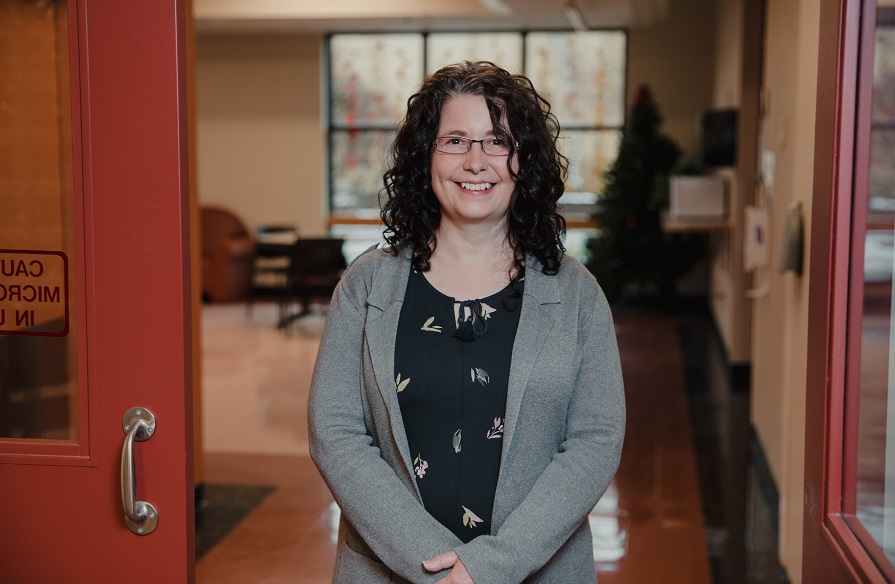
649	527
739	499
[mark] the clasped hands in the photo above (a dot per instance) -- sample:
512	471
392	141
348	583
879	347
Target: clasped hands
458	574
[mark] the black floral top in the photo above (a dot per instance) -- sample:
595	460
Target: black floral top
452	389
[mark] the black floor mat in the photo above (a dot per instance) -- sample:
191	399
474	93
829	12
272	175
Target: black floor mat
224	506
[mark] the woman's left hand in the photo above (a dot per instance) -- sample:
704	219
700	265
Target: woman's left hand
458	575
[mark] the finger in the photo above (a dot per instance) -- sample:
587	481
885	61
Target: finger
456	577
441	562
459	573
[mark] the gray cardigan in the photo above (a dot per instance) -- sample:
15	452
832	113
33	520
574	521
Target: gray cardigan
565	419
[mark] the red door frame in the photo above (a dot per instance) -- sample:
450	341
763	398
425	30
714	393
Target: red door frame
61	517
831	551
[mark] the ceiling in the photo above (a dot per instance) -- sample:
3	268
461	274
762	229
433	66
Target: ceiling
422	15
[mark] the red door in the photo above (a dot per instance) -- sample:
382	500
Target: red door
94	292
850	419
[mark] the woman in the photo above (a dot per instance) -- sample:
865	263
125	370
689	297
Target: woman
467	409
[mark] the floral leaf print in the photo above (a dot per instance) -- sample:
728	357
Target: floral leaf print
457	440
420	466
429	327
401	385
470	518
479	375
487	310
496	431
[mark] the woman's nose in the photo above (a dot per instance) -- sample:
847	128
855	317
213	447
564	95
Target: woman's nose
476	160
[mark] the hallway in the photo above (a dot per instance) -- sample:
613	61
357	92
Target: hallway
650	526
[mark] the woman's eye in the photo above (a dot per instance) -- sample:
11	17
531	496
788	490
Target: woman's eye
497	142
455	141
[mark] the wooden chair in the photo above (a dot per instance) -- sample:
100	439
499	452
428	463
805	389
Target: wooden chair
270	269
315	268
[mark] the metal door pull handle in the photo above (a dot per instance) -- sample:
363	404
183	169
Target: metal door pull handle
141	517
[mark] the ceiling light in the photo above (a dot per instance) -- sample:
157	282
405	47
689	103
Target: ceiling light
574	15
496	6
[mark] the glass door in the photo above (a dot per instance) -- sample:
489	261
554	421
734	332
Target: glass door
39	370
849	529
869	472
95	367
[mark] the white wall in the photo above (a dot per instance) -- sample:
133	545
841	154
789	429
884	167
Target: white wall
675	57
737	70
780	320
260	141
779	317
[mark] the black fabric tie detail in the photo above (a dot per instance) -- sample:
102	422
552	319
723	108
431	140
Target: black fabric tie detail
473	325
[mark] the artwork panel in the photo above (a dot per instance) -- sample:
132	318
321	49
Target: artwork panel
358	163
590	153
372	77
581	74
503	49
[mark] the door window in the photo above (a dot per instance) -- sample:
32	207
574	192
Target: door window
869	473
39	361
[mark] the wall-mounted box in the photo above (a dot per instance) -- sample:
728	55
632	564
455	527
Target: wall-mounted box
697	197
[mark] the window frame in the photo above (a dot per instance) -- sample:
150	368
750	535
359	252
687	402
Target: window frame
836	545
335	218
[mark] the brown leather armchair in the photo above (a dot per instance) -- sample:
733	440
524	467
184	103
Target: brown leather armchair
228	253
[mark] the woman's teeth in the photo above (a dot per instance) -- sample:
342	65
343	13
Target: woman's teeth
476	186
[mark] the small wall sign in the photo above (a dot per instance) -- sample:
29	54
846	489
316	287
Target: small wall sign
33	292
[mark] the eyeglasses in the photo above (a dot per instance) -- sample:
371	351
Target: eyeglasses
457	145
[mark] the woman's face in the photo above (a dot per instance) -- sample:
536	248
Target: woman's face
472	188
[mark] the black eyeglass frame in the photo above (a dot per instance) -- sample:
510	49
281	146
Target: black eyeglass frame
469	142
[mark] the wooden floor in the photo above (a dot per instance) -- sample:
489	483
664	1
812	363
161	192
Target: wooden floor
648	528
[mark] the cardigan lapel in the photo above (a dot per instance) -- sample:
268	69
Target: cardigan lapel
385	301
536	323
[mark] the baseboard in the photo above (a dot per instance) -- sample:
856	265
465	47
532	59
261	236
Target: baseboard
766	484
740	373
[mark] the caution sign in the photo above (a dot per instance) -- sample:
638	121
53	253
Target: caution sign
33	293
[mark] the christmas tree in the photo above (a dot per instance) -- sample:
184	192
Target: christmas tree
630	246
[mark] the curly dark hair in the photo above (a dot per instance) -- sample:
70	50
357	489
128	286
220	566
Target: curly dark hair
411	212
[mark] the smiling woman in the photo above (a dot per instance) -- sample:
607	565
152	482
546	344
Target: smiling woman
490	377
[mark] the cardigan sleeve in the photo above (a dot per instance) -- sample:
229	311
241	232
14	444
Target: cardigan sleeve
576	477
387	515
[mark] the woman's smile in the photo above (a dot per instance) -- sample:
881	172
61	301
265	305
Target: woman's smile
470	186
